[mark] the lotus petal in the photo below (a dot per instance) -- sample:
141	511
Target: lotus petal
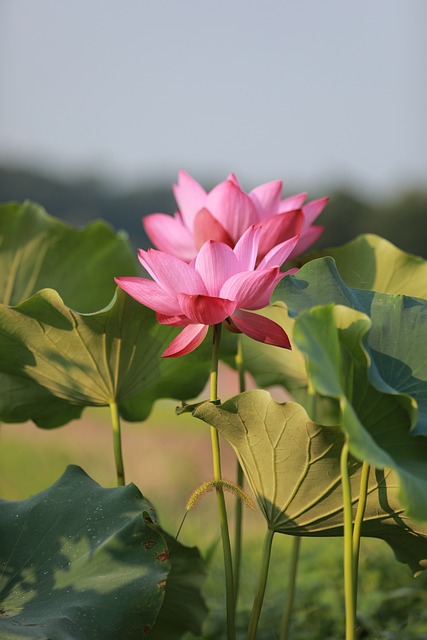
277	229
206	227
278	254
215	262
246	249
252	289
266	198
206	309
150	294
292	202
306	239
171	273
188	340
261	329
169	234
232	207
312	210
190	197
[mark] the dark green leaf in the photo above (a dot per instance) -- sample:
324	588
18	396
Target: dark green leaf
376	418
397	341
80	562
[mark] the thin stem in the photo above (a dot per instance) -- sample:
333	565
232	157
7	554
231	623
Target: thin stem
262	583
213	379
358	521
238	533
238	527
117	444
239	363
181	525
286	620
222	512
349	587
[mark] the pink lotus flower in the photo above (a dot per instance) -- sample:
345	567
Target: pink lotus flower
220	285
227	211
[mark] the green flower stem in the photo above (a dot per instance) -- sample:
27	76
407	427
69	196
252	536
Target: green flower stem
358	521
239	363
262	583
117	444
238	534
239	481
349	583
222	512
286	620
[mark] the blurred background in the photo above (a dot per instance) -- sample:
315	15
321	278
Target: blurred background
103	102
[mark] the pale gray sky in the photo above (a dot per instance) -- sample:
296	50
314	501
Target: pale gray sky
311	91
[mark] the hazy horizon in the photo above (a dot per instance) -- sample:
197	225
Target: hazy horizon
311	93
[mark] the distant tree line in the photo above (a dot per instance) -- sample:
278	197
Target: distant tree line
402	220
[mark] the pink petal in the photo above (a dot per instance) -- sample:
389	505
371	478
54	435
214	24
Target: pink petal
215	263
171	273
307	238
232	177
205	309
259	328
246	249
277	229
178	320
253	289
266	198
206	227
292	202
150	294
232	208
188	340
278	254
169	234
190	197
312	210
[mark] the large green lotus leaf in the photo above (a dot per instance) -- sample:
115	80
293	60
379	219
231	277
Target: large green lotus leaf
293	467
38	251
80	562
183	608
397	341
96	359
376	419
370	262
